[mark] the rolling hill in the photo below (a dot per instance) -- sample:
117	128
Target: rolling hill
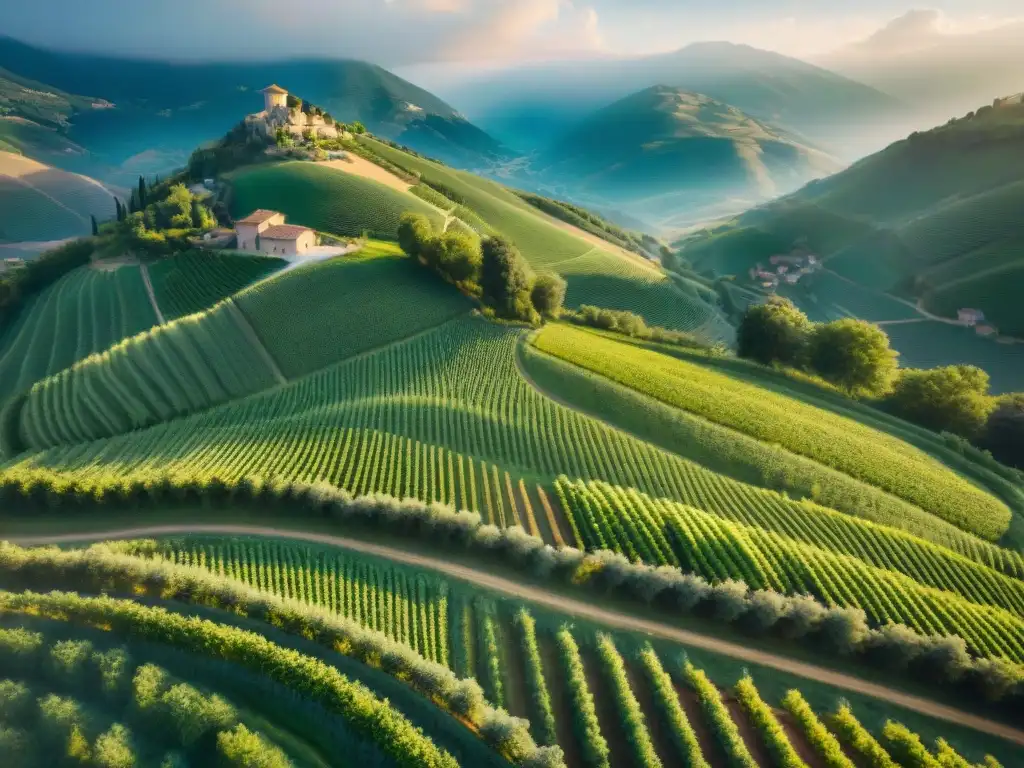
929	220
42	203
530	107
668	157
162	111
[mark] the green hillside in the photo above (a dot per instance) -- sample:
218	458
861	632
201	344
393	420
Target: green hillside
324	199
241	346
192	281
596	275
43	203
663	152
930	219
81	314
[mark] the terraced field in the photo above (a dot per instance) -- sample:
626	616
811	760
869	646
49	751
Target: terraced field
239	347
666	533
845	445
595	276
82	313
190	282
325	199
603	698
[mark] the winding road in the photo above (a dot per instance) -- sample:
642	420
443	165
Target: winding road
580	608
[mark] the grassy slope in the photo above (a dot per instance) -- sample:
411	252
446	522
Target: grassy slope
848	446
81	314
324	199
595	276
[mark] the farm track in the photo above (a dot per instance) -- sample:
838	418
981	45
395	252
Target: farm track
581	608
151	293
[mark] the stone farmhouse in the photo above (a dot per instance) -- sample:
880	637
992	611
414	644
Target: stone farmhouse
276	114
265	232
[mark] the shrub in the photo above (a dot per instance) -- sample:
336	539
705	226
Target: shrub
773	332
907	748
414	234
762	717
548	294
242	748
505	278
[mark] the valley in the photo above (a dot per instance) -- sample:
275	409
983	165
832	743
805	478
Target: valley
330	443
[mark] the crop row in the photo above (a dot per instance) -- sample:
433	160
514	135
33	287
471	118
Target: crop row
171	370
81	314
661	532
842	444
190	282
409	608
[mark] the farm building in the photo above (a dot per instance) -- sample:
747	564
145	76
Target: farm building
970	317
266	232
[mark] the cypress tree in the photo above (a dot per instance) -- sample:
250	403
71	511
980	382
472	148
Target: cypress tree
95	226
142	192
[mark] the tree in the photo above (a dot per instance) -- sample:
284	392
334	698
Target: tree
1003	434
548	295
775	331
414	233
951	399
853	354
142	192
358	128
505	277
118	210
95	226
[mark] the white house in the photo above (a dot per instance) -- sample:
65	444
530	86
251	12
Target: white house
287	240
265	232
253	225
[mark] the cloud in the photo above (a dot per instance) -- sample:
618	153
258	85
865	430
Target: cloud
924	28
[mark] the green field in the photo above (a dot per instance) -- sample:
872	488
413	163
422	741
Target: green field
325	199
190	282
613	698
843	444
361	301
595	275
82	313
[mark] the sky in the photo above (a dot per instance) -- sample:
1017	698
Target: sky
397	33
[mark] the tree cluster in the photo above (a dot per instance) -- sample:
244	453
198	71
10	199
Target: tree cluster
589	222
943	660
855	356
38	273
492	269
852	354
632	325
160	720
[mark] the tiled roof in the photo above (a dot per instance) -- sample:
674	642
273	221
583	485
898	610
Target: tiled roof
258	217
284	232
273	89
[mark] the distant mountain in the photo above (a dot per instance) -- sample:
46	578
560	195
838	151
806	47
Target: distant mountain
939	73
934	218
668	157
163	110
530	107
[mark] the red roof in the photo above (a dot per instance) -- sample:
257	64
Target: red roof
274	89
258	217
284	232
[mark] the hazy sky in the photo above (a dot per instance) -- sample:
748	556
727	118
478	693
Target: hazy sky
403	32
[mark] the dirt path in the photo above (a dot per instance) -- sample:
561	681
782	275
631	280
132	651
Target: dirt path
256	342
152	295
590	610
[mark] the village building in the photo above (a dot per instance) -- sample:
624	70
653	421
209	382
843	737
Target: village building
265	232
970	317
277	114
986	330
